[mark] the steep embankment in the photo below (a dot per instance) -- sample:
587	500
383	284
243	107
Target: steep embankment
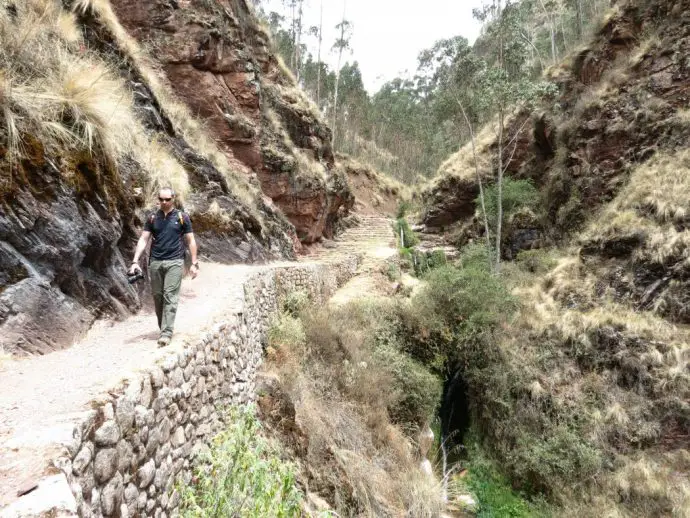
218	58
587	399
89	130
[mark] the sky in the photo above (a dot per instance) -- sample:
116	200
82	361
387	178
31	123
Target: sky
387	34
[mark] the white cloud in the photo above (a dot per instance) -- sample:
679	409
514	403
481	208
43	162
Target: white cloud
388	34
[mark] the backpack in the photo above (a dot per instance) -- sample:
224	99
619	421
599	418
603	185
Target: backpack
180	216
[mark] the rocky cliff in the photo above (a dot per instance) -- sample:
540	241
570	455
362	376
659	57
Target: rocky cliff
599	351
622	100
91	125
218	59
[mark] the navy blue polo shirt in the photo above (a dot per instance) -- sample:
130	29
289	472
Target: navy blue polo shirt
167	234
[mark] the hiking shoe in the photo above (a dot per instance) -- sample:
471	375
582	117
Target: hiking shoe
163	341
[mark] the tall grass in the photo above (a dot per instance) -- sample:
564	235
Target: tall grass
359	400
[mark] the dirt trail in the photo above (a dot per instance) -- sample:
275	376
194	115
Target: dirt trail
43	396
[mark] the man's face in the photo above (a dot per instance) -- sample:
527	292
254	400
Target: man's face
165	198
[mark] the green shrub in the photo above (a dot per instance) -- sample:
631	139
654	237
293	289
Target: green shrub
392	272
536	261
404	207
295	301
517	194
287	331
493	492
437	258
558	457
242	475
418	390
409	238
422	262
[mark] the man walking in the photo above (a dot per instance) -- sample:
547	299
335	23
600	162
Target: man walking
169	227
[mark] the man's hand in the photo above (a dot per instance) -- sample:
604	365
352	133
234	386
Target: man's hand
194	270
134	268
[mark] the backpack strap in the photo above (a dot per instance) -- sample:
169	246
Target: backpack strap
180	215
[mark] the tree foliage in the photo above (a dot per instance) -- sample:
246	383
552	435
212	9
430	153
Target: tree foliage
411	124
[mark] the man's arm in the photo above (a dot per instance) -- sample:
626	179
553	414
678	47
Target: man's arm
141	246
191	244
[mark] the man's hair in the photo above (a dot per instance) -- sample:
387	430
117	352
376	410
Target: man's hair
172	191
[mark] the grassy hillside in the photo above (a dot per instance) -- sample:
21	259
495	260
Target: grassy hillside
586	398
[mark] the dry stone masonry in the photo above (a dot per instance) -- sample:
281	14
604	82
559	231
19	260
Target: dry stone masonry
129	452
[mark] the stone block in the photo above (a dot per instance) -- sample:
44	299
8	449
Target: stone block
105	465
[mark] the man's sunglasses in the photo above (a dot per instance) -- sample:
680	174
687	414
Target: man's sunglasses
164	199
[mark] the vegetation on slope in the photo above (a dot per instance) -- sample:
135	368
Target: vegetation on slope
241	475
347	401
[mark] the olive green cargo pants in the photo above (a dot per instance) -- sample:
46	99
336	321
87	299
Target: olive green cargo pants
166	279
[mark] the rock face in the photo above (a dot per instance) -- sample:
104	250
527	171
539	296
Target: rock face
580	150
217	58
604	158
70	213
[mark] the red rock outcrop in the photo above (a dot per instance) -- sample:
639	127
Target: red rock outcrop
218	59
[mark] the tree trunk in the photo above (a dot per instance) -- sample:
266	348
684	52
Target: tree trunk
337	78
565	43
479	181
298	41
318	62
293	29
580	30
499	180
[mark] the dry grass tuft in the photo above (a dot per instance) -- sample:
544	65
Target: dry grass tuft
182	119
659	188
461	164
163	170
56	91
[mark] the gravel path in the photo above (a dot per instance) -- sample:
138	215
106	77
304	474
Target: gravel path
42	396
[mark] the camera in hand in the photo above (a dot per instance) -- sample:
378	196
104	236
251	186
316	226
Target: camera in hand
137	275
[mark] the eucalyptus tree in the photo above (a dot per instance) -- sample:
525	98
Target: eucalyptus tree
342	43
317	31
504	84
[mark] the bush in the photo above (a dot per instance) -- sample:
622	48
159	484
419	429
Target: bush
536	261
392	272
409	238
404	207
558	457
517	194
287	331
295	302
422	262
494	494
418	390
462	306
242	475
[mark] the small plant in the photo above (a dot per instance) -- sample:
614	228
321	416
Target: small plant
404	234
493	492
295	302
536	261
392	272
403	209
242	476
517	194
286	331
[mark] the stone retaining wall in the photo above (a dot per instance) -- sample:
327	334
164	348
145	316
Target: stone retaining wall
128	452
